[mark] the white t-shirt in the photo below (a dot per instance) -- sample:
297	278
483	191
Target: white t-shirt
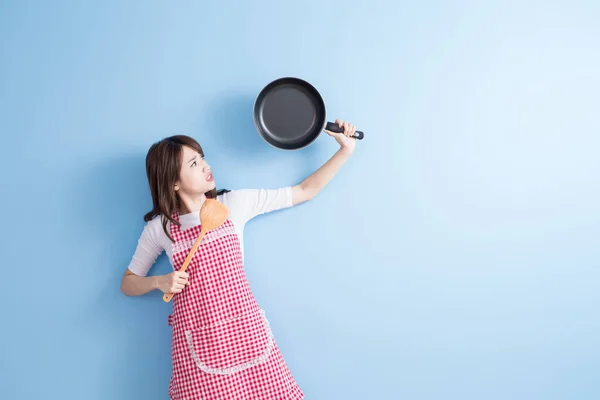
243	204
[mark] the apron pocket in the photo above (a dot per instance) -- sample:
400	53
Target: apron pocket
231	346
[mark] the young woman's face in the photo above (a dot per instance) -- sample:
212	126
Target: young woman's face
195	177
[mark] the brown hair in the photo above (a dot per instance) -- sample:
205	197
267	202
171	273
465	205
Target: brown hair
163	163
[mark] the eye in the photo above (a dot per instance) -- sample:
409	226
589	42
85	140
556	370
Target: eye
194	164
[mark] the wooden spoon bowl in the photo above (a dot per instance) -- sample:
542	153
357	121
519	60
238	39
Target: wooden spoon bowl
212	215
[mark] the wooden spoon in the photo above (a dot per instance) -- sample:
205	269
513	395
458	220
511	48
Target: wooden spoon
212	215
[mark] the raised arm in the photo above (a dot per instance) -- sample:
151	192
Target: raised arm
312	185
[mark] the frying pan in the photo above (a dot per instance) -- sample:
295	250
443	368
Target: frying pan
289	114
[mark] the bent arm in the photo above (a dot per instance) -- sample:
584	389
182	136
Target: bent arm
135	281
134	285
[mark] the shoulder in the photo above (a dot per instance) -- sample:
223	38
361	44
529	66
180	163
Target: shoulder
154	232
236	197
252	197
249	202
155	224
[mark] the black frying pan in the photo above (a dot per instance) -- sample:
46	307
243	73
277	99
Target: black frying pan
289	114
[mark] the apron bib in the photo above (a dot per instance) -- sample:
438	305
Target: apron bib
222	345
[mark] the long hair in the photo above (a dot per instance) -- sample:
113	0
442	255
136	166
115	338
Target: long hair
163	163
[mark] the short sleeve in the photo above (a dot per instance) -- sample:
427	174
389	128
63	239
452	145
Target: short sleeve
249	203
148	249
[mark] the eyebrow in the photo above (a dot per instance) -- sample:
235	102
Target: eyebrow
193	158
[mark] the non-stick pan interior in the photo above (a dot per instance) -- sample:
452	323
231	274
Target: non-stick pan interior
289	113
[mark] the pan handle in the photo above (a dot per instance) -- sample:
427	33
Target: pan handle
335	128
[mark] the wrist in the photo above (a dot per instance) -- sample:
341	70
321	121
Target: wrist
345	151
155	282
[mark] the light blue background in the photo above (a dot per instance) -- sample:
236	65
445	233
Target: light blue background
455	256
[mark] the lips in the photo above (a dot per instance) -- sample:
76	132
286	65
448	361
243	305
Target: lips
209	178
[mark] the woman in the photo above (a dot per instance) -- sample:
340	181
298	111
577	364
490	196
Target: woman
222	345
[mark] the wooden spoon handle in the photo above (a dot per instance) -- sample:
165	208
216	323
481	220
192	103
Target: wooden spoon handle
168	296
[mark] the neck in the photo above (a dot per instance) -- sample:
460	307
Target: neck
189	204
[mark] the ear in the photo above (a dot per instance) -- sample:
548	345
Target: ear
176	187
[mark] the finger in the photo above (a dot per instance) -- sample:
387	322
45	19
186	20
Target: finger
353	130
181	281
182	274
339	122
178	286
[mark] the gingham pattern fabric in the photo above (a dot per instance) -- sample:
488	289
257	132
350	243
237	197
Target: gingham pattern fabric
222	346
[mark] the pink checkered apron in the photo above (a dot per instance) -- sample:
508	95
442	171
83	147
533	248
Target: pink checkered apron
222	346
